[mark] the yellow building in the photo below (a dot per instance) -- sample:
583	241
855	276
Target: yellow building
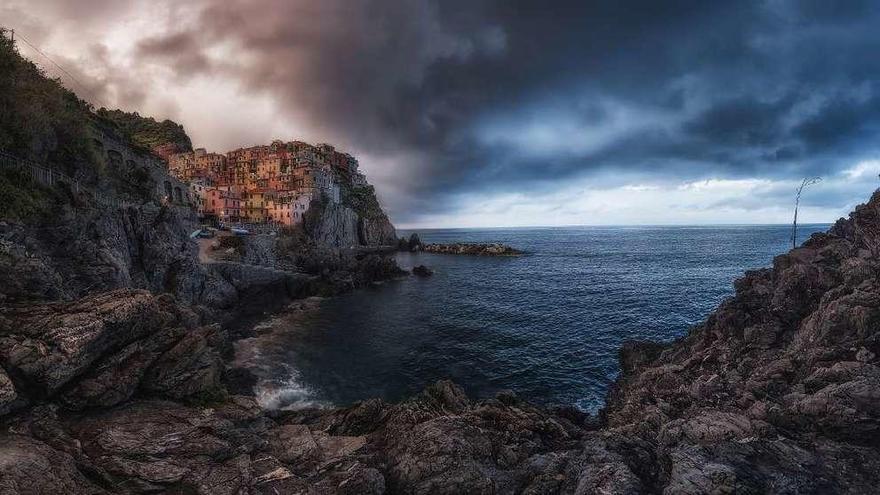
255	205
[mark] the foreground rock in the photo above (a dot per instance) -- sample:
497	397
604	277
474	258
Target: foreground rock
492	249
786	371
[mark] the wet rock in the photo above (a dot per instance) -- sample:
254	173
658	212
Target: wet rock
414	243
191	367
48	345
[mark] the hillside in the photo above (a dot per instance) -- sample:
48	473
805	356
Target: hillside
101	217
39	118
147	132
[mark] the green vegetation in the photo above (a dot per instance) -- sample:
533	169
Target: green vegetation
39	118
362	199
146	132
23	199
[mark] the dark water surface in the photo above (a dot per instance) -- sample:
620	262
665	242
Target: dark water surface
546	325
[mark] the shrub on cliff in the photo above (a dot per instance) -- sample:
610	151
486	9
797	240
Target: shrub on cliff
362	199
147	132
39	118
23	199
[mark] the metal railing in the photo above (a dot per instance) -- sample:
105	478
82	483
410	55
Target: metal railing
48	177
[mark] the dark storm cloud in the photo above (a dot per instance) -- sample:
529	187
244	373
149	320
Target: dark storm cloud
453	96
181	51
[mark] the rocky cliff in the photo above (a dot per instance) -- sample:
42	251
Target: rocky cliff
356	221
114	218
777	392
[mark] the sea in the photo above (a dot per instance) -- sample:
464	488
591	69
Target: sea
547	325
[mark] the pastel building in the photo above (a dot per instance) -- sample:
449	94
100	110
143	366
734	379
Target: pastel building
198	188
288	209
256	205
223	204
273	183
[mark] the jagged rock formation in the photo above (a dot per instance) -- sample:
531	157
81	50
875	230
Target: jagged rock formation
338	226
784	372
776	392
332	225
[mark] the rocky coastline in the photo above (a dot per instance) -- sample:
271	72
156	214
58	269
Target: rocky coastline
116	371
125	391
414	244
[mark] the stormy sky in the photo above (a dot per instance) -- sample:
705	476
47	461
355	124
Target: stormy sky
502	113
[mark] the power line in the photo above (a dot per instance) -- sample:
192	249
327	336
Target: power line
56	64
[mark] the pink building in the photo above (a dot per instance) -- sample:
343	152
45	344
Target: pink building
224	204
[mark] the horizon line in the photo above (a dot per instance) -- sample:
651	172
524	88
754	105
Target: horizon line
639	225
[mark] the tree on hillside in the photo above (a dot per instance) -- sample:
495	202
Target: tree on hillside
808	181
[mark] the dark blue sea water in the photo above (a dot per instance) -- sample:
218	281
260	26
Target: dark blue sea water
547	325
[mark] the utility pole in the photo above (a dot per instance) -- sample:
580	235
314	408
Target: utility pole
808	181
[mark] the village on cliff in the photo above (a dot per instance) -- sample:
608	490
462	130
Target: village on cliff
269	184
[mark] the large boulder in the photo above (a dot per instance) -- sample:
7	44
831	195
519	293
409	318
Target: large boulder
48	345
192	366
117	378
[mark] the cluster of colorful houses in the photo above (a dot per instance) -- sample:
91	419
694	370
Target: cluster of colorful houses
275	183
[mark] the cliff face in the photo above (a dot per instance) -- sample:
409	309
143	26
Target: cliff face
357	220
777	392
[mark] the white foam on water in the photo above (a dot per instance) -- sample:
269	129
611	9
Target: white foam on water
286	393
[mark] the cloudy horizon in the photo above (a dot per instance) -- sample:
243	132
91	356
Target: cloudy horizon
492	113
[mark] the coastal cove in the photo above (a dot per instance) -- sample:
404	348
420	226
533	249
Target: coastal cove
547	325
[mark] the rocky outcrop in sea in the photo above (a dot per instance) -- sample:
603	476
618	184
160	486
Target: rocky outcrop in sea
415	244
473	249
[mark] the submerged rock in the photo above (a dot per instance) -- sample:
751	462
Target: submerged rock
422	271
